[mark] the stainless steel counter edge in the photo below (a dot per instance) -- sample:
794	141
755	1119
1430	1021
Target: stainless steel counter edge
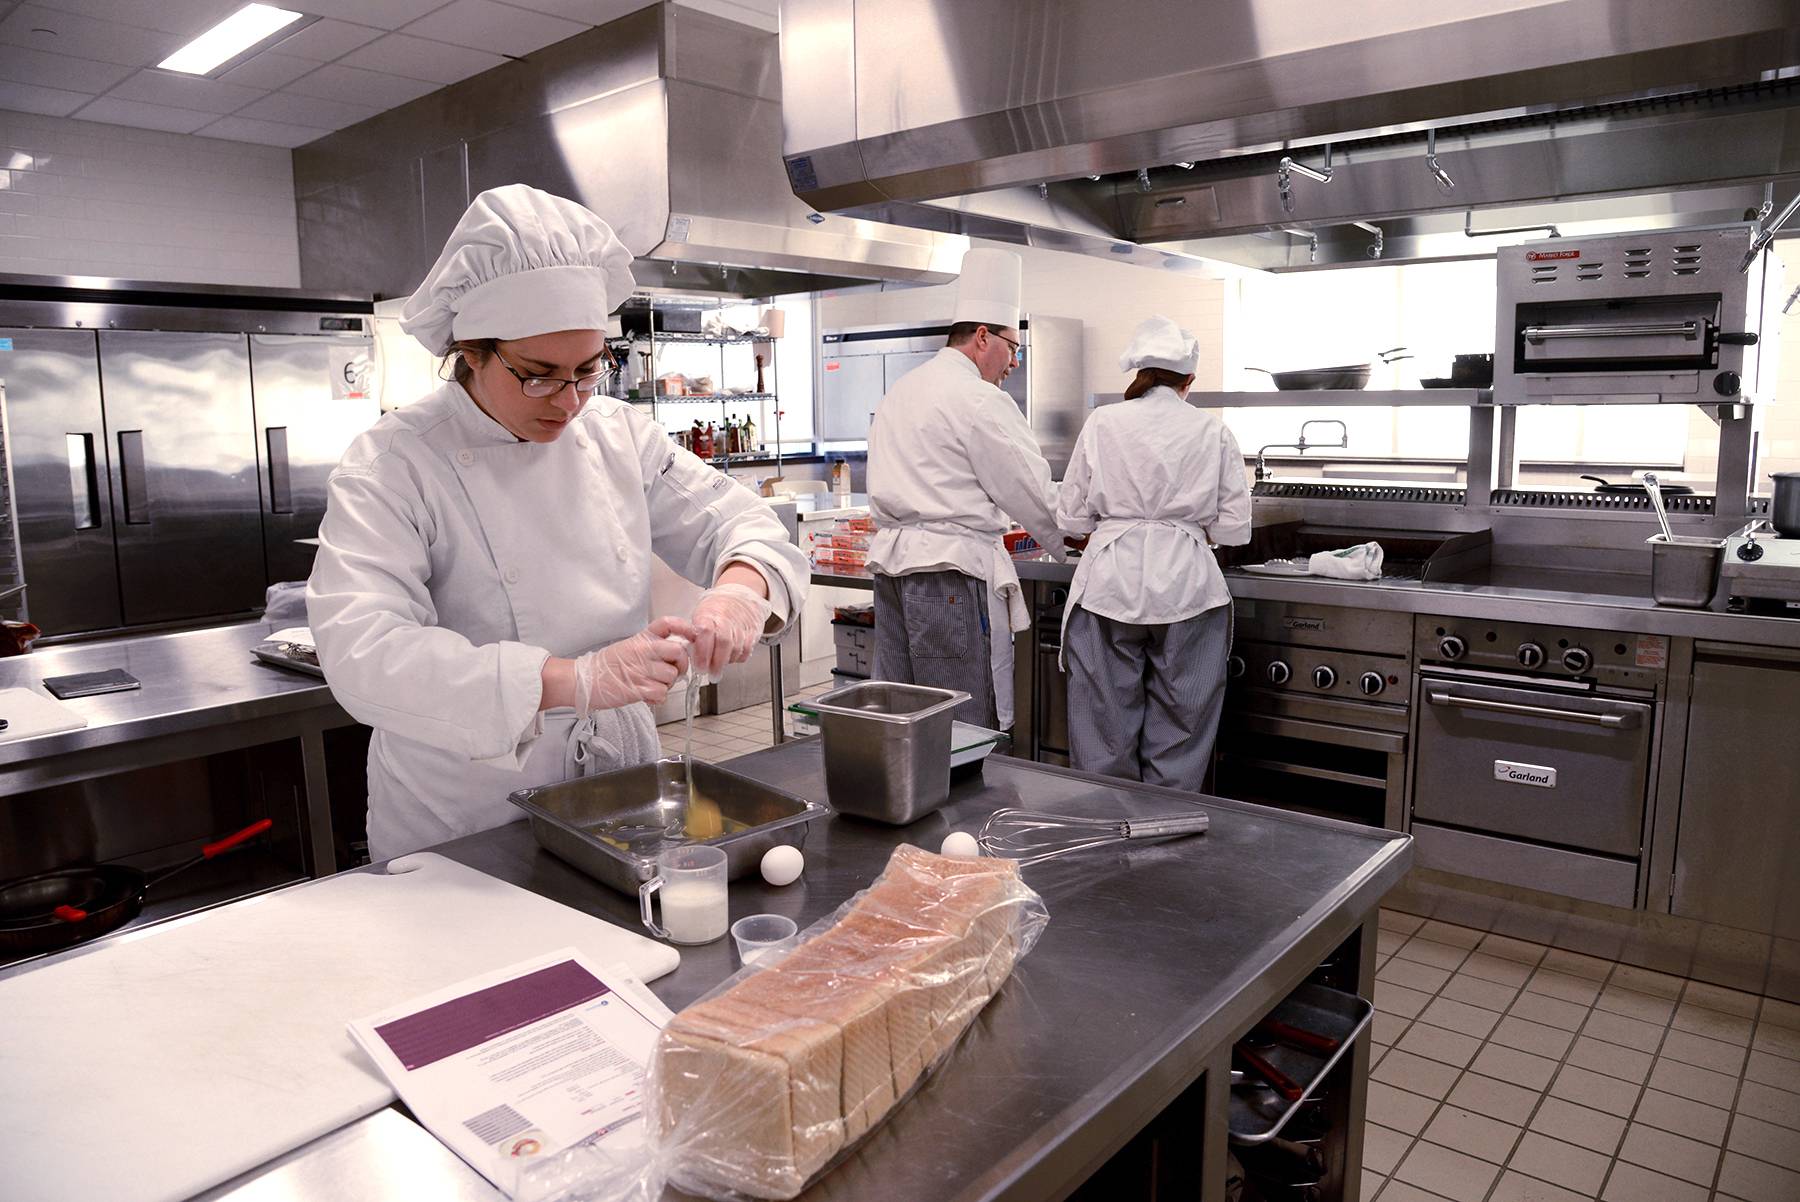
191	680
1596	611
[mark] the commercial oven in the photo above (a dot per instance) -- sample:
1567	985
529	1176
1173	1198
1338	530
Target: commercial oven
1662	315
1532	754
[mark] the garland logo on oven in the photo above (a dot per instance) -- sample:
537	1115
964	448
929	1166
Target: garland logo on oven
1535	775
1304	623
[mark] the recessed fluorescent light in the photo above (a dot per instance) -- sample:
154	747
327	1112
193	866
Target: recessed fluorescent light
243	29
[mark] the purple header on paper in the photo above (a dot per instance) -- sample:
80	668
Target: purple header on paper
456	1026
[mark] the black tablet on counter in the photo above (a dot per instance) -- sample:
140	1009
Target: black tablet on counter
89	684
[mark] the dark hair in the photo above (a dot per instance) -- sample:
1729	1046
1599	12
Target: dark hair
1151	377
481	348
962	331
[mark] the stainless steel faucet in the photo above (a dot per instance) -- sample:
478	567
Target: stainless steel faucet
1302	445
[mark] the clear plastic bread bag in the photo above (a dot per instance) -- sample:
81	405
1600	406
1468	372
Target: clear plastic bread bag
761	1087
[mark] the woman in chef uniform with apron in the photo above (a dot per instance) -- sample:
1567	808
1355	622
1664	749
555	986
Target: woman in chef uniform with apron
481	596
1148	624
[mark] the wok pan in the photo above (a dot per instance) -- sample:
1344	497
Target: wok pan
1630	488
72	905
1352	377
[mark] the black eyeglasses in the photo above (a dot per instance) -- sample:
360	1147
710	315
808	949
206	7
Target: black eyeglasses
545	387
1008	342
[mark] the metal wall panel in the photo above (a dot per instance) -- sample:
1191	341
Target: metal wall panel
60	471
184	474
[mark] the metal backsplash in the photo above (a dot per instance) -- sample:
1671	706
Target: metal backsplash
666	122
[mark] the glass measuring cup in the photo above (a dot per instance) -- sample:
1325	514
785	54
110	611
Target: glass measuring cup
691	880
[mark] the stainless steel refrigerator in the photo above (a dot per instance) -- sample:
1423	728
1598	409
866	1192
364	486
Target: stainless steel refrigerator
164	476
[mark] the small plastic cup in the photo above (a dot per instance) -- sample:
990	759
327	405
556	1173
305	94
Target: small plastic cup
760	935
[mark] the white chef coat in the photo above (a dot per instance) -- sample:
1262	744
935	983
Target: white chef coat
952	463
1153	480
454	559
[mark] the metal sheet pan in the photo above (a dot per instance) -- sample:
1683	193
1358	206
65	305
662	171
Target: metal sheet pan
1257	1113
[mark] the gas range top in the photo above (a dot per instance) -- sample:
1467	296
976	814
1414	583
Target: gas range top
1761	565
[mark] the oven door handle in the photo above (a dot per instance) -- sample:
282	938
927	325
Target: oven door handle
1455	701
1687	329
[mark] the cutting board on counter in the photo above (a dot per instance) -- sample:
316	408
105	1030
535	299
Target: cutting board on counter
179	1056
29	713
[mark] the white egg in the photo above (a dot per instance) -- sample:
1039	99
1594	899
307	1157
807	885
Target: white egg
960	844
781	865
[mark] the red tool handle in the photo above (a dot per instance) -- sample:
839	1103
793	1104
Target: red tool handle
1295	1037
1278	1080
231	841
69	913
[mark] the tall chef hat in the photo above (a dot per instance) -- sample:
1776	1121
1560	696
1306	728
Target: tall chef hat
1159	342
988	291
520	262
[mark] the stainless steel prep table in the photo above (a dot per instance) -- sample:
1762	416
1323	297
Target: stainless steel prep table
202	692
1152	964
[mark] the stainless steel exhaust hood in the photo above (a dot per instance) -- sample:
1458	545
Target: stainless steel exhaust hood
1262	132
667	122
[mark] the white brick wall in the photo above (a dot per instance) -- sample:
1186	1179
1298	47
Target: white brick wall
81	198
1109	298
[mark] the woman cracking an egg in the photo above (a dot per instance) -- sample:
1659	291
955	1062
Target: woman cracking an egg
481	596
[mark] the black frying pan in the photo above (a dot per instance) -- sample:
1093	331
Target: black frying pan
72	905
1634	489
1352	377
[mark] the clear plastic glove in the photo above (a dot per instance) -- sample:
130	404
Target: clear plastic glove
640	668
727	622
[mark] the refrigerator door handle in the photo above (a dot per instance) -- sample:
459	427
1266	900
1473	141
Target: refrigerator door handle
132	479
281	494
84	481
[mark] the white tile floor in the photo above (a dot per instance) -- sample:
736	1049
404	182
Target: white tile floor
1506	1071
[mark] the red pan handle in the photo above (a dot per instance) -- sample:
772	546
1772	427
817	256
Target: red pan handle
231	841
69	913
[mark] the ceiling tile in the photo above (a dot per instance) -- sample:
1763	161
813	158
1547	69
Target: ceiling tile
323	41
144	116
268	133
51	102
389	14
334	81
484	25
417	58
587	12
310	111
183	17
268	71
20	65
84	37
186	91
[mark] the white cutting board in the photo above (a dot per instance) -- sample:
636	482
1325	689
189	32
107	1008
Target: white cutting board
179	1056
28	714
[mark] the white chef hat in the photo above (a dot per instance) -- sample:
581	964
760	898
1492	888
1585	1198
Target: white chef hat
988	291
1159	342
521	262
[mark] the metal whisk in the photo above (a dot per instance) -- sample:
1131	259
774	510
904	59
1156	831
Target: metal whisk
1033	836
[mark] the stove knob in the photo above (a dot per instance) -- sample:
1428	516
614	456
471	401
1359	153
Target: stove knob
1278	673
1750	552
1577	659
1323	677
1531	655
1235	667
1371	683
1451	647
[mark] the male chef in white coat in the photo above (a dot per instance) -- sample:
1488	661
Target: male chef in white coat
952	462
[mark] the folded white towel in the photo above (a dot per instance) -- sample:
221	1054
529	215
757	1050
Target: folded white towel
1361	562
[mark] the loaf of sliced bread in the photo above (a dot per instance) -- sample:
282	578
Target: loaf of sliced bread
756	1089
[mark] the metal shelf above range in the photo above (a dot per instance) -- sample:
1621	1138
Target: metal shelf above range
1456	398
711	398
674	337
